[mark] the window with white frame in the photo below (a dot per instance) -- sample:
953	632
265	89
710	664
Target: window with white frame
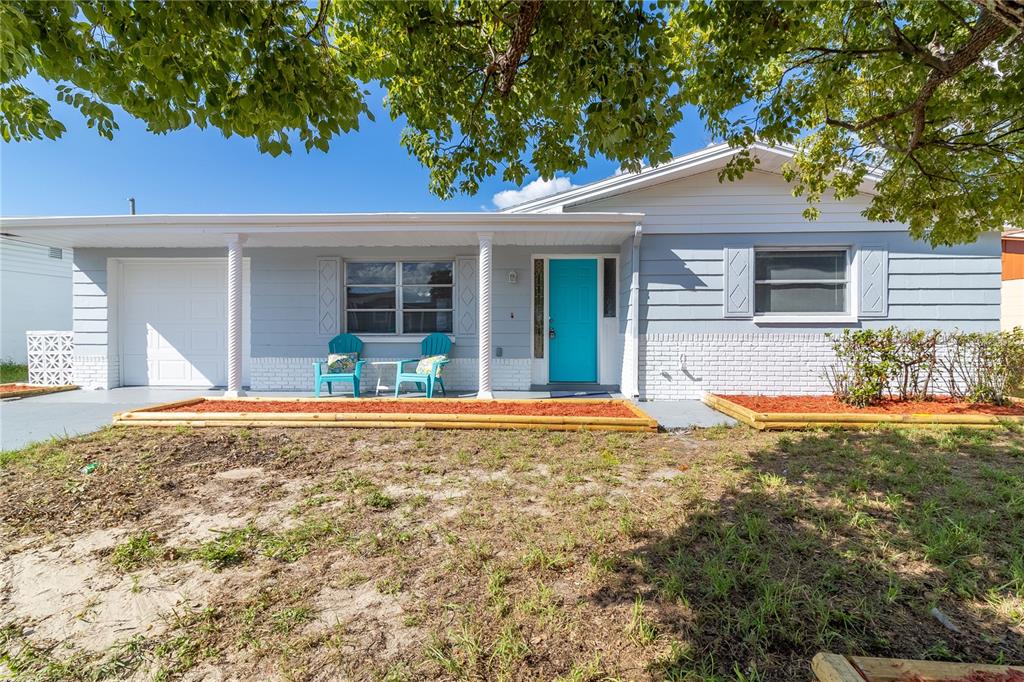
399	297
801	281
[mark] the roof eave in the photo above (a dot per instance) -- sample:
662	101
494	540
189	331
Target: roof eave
704	160
337	221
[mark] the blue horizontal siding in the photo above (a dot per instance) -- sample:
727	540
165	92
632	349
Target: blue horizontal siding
681	281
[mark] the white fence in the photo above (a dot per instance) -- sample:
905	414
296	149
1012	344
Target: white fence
49	358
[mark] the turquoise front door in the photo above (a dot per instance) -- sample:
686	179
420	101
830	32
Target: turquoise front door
572	313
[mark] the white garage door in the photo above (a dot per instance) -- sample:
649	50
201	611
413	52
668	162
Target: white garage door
173	323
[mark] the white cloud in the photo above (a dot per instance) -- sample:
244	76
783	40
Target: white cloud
538	189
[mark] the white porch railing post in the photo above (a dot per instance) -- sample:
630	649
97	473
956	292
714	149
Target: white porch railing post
484	391
235	316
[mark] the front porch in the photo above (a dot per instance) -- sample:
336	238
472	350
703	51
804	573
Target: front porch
252	302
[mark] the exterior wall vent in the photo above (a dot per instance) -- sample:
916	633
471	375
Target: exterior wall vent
56	253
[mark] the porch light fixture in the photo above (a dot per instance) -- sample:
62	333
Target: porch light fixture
512	277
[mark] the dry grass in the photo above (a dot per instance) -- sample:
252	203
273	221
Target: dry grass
393	555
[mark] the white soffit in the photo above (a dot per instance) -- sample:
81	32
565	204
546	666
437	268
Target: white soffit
350	229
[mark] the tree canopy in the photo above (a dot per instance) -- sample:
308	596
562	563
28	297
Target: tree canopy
926	97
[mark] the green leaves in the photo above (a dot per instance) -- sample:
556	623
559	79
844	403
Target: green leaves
925	96
242	67
895	89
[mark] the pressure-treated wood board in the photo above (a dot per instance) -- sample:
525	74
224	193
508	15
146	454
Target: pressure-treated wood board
830	667
812	420
30	390
156	415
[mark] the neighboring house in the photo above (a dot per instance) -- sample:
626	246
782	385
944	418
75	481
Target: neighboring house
1013	280
35	292
665	283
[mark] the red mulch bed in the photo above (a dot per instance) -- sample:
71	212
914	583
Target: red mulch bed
11	388
826	403
539	408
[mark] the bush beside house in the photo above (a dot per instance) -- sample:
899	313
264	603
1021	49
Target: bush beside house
978	367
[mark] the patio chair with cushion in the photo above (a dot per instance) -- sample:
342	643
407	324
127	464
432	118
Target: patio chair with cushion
429	366
342	364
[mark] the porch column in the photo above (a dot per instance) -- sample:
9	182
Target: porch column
235	316
484	297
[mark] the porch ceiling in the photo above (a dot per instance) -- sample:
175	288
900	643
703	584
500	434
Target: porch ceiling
348	229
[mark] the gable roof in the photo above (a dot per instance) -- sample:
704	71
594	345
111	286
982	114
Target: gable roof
714	157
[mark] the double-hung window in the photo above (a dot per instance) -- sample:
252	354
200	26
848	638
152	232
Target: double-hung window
801	281
399	297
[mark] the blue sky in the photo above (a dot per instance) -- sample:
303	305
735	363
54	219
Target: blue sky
199	171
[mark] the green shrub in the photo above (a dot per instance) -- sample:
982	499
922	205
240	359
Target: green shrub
912	364
984	367
860	374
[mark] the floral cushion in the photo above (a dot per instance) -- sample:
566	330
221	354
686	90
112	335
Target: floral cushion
425	364
342	363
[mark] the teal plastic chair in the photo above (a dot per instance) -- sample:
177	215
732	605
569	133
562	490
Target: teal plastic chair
435	344
342	343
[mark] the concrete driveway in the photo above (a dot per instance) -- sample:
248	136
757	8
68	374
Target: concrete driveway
27	420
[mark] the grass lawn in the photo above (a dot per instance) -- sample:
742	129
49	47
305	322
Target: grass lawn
406	555
11	372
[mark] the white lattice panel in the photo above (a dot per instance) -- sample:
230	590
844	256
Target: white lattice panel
50	358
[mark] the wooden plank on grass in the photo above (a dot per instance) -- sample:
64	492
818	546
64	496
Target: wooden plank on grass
30	391
894	669
635	409
812	420
167	406
383	424
734	410
834	668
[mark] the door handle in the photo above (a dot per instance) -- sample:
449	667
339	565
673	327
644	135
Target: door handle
551	333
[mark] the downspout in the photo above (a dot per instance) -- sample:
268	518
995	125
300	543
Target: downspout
634	309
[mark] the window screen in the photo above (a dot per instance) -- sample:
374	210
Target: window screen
800	281
390	297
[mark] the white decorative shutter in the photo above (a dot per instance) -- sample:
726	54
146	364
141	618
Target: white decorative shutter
739	282
328	288
466	308
874	281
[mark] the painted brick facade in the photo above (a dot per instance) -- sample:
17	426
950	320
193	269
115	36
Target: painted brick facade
296	374
96	371
683	366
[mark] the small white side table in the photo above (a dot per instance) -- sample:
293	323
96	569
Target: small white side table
380	365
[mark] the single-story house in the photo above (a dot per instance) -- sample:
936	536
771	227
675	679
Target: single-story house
663	283
35	292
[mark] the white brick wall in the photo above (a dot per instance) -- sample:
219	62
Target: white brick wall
296	374
682	366
96	371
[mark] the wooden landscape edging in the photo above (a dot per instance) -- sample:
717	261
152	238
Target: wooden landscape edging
810	420
837	668
154	416
31	390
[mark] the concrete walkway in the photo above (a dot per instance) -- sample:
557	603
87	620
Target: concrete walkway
685	414
28	420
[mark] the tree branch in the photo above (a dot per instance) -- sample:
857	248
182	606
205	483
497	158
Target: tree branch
1009	12
320	18
507	64
986	30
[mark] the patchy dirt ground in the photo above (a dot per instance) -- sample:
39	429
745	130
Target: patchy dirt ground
403	554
